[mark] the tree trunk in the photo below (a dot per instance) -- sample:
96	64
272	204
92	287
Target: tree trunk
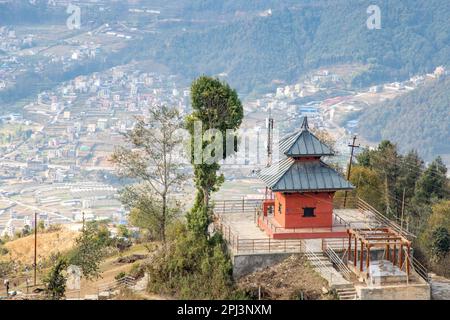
163	219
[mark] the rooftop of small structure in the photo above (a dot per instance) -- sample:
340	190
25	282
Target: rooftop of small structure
304	143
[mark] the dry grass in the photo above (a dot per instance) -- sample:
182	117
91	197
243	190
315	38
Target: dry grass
48	243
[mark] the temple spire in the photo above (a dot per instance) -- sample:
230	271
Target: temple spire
305	125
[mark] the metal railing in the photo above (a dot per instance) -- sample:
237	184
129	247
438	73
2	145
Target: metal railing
382	219
236	206
420	269
256	245
126	281
336	244
325	271
338	263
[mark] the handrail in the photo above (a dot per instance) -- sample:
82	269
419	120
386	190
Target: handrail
255	245
276	229
382	219
342	267
124	281
420	269
324	270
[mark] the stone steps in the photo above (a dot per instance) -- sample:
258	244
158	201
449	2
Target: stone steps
346	292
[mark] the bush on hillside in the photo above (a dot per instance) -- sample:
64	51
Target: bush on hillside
191	267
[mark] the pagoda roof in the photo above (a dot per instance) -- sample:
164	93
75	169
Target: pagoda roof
289	175
303	143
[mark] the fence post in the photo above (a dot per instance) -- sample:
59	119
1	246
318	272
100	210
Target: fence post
237	243
269	244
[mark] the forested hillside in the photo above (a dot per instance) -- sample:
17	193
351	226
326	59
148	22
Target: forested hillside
417	120
253	50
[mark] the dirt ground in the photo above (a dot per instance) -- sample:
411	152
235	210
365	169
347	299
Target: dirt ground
291	279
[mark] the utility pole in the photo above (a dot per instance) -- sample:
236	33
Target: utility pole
353	146
35	245
269	125
403	210
83	221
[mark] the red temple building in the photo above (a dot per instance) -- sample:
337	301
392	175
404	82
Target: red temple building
302	188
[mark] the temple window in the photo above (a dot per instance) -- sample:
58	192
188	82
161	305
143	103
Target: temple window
308	212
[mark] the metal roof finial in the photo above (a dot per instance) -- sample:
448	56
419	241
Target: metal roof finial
305	125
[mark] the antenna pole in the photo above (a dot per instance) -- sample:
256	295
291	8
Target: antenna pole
353	146
269	145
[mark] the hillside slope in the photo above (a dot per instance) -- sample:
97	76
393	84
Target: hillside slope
418	120
48	243
252	50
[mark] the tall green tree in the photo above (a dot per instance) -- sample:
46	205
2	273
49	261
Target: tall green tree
55	281
215	106
433	184
89	251
387	162
152	159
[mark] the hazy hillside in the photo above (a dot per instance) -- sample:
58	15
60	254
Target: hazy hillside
417	120
253	50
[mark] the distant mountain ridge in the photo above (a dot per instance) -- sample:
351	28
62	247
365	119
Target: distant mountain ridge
303	35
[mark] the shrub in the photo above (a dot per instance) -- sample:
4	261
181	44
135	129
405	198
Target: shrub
120	275
55	281
191	267
440	245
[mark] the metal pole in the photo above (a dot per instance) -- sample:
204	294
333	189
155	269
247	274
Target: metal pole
403	211
83	221
35	245
353	146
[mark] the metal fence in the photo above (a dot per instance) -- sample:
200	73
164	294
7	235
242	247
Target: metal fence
256	245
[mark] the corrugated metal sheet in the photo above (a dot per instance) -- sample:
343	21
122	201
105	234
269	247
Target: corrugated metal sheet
290	175
304	143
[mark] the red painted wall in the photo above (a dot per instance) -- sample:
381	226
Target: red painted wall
292	205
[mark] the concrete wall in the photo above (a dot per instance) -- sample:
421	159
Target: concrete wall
397	292
244	264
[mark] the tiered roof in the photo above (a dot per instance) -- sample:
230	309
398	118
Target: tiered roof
292	175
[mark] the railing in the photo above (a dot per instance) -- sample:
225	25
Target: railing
337	261
420	269
382	219
261	245
325	271
336	244
269	245
236	206
126	281
276	229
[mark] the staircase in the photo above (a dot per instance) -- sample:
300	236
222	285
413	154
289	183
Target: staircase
325	268
346	292
322	264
